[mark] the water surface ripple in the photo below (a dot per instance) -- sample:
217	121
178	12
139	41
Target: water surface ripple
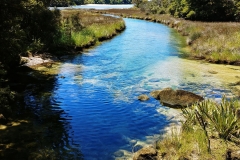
100	89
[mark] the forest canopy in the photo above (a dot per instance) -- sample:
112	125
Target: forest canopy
65	3
203	10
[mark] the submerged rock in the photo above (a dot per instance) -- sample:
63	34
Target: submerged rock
143	97
176	98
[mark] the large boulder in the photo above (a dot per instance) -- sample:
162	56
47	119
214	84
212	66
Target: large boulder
176	98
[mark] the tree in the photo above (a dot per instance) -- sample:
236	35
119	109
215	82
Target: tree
137	2
25	25
11	34
212	10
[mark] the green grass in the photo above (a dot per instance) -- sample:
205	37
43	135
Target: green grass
220	117
189	144
222	125
83	38
83	29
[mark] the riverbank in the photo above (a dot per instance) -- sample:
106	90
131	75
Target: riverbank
49	118
37	132
80	29
216	42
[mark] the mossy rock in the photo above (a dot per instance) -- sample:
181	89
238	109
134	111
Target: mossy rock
176	98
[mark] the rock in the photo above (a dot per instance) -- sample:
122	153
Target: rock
24	60
155	94
32	60
146	153
143	97
177	98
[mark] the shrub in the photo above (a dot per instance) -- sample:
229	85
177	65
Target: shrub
220	117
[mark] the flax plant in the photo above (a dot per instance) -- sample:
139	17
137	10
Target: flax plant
220	117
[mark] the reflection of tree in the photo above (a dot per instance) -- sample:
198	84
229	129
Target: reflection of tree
44	132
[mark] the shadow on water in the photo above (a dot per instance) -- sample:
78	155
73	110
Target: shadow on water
33	127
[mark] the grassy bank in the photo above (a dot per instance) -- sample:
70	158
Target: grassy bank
210	131
81	29
214	42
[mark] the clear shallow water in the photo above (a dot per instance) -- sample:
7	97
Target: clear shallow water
98	90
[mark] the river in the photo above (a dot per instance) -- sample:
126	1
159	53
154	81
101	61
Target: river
98	6
98	89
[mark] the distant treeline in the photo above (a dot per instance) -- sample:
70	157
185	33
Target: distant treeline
65	3
203	10
107	1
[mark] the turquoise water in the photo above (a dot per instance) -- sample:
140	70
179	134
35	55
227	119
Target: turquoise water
101	88
97	91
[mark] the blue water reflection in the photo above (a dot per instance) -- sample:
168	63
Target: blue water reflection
101	86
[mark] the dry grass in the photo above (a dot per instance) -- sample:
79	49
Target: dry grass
89	18
191	144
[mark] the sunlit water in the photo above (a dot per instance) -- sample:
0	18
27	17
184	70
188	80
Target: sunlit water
98	90
98	6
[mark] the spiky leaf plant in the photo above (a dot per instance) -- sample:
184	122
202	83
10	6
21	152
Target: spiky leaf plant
220	117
